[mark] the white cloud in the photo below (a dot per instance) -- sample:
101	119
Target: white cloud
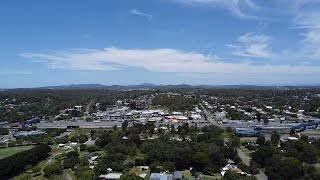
239	8
158	60
15	72
306	19
252	45
139	13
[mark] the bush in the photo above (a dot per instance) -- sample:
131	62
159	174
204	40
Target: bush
17	162
12	144
52	169
92	148
83	147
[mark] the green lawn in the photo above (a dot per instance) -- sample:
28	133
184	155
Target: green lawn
137	172
71	174
13	150
246	151
187	174
83	153
133	158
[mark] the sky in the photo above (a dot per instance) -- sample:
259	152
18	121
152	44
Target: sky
126	42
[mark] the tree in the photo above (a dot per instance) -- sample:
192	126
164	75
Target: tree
135	138
62	140
130	176
124	125
275	138
263	154
72	154
233	175
12	144
87	175
69	163
259	117
310	154
92	148
24	177
304	138
261	140
36	170
52	169
74	139
4	131
201	160
18	161
168	166
183	133
284	168
28	168
83	138
83	147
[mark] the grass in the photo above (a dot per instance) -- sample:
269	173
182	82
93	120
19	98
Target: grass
13	150
205	177
42	165
133	158
79	132
246	151
226	134
137	172
71	174
187	174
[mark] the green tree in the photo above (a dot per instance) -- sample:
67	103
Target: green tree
83	147
201	160
87	175
28	168
275	138
261	140
52	169
168	166
130	176
124	125
36	170
284	168
310	154
24	177
231	175
92	148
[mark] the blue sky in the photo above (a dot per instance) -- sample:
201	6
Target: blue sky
125	42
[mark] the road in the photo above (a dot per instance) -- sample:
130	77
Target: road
205	111
90	142
66	175
246	161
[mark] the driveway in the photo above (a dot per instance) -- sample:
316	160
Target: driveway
246	161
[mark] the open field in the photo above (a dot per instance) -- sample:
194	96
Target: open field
12	150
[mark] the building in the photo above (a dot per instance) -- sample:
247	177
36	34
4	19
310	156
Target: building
178	175
111	176
161	176
22	134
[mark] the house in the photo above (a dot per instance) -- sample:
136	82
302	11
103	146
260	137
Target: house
143	168
161	176
178	175
72	144
110	176
143	175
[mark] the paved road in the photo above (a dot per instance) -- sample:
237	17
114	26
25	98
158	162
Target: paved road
246	161
66	175
90	142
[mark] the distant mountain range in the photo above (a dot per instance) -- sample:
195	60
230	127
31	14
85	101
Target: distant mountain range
179	86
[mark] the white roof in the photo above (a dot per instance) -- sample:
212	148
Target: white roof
111	176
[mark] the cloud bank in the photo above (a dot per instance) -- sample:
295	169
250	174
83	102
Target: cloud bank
157	60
